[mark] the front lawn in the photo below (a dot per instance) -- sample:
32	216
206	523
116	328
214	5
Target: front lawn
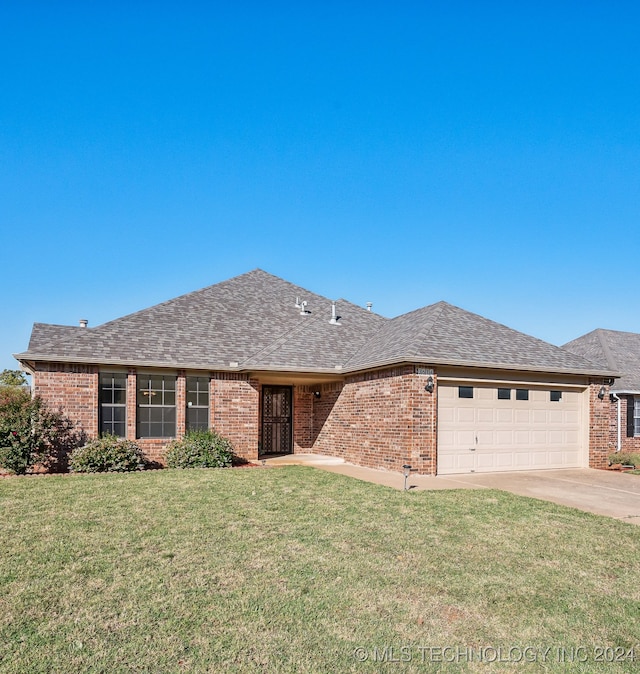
299	570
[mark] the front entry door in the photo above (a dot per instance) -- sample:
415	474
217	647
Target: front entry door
276	420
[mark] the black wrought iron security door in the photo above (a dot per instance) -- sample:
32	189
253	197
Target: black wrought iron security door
276	420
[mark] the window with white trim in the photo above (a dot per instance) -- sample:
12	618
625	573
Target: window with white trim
197	417
156	416
636	416
113	404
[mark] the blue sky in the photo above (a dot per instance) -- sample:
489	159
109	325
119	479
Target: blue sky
484	153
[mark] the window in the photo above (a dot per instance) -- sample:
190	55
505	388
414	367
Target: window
555	396
113	404
636	417
156	406
465	391
504	394
522	394
197	416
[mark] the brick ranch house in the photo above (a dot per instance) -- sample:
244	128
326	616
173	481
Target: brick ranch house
618	351
278	369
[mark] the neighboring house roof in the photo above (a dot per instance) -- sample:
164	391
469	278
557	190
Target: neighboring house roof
613	349
250	322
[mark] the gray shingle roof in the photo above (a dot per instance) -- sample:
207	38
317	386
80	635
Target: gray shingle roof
616	350
445	334
252	320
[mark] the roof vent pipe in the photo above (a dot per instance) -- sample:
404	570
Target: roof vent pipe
302	306
369	305
334	318
84	322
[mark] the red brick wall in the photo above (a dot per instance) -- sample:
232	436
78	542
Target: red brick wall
322	407
72	388
235	411
132	391
599	425
302	419
181	404
379	419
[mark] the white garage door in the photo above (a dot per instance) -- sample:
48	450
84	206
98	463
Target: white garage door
489	428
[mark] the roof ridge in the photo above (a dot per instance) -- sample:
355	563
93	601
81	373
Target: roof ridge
439	308
611	361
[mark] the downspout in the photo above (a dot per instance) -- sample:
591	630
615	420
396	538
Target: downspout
618	401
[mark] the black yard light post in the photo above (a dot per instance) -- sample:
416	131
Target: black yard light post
407	469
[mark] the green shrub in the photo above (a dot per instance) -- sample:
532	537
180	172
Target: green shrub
625	458
31	433
200	449
107	454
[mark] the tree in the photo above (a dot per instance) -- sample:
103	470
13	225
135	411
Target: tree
31	433
12	378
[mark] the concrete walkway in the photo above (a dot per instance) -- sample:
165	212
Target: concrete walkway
602	492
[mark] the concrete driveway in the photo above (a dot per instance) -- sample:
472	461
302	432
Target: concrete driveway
603	492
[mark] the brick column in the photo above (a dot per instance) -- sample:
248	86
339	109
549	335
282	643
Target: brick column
424	441
132	390
181	402
212	397
302	419
599	436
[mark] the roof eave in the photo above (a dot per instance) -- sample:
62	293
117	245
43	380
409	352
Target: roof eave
374	365
338	369
49	358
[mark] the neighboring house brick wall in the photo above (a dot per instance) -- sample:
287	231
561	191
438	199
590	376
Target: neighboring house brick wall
599	425
380	419
72	388
235	411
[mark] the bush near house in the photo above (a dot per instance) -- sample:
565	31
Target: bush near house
625	458
31	433
108	454
200	449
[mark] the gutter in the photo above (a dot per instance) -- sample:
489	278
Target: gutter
248	366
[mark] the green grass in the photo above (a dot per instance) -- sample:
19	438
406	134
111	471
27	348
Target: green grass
292	569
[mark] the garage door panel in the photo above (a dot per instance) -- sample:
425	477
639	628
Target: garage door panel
508	434
446	414
485	437
504	438
504	416
486	416
557	437
539	416
466	438
539	438
466	414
